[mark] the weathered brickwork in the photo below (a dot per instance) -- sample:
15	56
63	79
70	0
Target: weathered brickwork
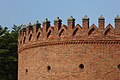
69	52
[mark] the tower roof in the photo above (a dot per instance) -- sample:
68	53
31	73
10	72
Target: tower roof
71	18
57	19
46	21
117	17
85	17
101	17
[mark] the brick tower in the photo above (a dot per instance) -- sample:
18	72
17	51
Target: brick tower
70	52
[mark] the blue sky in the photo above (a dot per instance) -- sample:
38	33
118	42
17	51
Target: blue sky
25	11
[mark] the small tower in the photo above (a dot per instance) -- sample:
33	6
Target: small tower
46	25
85	22
29	28
101	22
23	29
117	25
57	23
71	22
36	26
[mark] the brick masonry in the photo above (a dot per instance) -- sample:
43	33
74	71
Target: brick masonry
69	52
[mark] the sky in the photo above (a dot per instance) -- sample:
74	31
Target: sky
25	11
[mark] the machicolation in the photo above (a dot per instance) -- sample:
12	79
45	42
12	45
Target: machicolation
70	52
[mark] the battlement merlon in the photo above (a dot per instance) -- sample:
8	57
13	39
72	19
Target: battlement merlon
46	32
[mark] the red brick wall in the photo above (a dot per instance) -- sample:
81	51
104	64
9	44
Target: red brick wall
89	54
100	62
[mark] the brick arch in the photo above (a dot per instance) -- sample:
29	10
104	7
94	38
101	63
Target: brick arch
30	37
92	29
39	33
30	30
24	39
62	31
50	30
49	33
109	30
76	29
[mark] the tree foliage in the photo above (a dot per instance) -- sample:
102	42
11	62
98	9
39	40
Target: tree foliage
8	53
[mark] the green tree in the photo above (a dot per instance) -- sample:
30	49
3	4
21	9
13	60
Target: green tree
8	53
2	30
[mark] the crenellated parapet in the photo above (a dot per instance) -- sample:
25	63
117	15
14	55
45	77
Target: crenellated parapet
45	34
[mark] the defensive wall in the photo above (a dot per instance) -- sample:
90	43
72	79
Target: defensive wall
71	52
